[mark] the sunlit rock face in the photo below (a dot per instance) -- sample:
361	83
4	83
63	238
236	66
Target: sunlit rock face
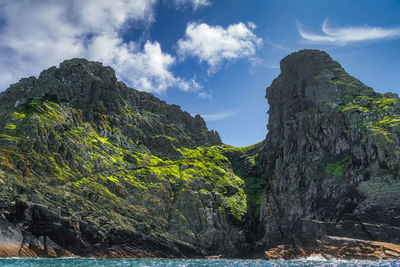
91	167
331	156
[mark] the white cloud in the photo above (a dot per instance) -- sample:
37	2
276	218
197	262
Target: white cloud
214	44
195	3
279	46
218	116
38	34
146	69
251	25
345	35
205	95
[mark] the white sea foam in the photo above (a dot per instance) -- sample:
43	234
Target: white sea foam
316	257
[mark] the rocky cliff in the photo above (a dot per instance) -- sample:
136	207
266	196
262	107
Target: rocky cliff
331	156
90	167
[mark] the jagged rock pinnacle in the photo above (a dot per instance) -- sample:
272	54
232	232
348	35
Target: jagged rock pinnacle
306	62
309	79
326	153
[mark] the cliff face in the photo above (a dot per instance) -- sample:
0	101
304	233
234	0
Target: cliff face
331	156
92	167
94	91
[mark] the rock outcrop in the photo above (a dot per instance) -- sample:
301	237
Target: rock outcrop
331	156
91	167
340	248
99	169
17	242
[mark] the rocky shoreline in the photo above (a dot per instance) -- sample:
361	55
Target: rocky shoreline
333	247
17	242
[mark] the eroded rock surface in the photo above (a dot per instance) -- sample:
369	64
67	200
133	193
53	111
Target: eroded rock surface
99	169
339	248
90	167
331	157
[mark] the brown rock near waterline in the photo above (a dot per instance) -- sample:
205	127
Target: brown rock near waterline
339	248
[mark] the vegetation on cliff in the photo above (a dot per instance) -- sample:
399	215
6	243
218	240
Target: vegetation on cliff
330	158
139	167
91	167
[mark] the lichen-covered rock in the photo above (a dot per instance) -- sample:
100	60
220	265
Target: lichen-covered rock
91	167
96	168
331	155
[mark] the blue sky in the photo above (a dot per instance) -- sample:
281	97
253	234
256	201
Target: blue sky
211	57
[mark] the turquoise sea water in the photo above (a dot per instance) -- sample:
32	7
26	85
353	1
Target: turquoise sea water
79	262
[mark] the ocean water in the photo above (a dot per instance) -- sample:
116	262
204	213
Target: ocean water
85	262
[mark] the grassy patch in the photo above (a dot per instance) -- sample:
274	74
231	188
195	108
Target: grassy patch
338	167
377	113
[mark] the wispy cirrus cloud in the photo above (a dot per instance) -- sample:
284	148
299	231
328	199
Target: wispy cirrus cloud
218	116
346	35
196	4
205	94
278	46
